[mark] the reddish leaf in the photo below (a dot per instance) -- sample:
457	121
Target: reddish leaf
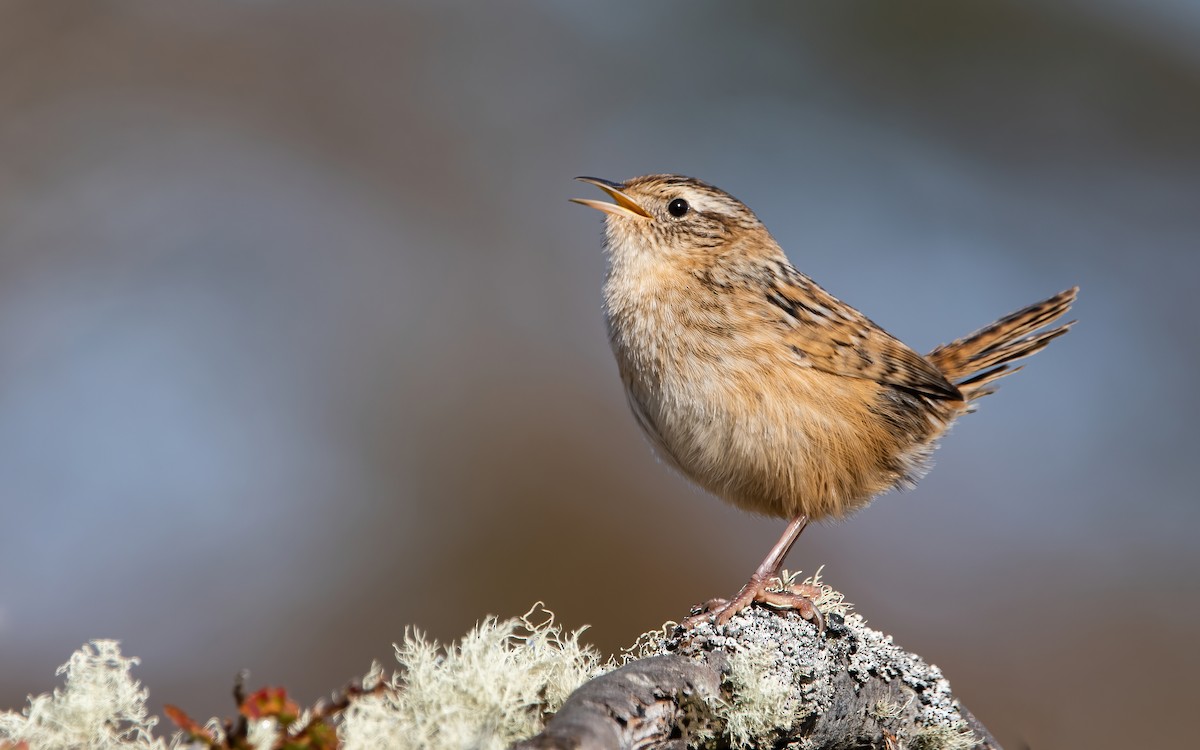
188	724
270	702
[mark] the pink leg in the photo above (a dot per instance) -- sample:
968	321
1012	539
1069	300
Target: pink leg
755	588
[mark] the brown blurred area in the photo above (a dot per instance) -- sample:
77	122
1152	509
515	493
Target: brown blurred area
301	343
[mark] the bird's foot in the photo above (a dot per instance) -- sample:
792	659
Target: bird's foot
769	591
797	596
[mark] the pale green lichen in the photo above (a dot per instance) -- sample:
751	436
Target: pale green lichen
100	706
495	686
264	733
650	643
781	671
765	700
885	710
500	683
955	736
770	688
829	602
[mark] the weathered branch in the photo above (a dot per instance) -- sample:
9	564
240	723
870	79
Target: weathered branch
639	705
768	679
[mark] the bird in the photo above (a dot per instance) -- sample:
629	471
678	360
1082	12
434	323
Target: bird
763	388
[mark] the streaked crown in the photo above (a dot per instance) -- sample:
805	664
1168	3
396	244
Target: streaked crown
671	214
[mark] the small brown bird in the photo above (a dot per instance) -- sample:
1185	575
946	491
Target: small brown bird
762	387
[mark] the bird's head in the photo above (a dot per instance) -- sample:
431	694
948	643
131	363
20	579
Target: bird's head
666	217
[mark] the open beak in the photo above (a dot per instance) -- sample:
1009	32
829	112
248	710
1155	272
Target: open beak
624	206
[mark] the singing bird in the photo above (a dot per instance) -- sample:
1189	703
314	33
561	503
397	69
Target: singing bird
762	387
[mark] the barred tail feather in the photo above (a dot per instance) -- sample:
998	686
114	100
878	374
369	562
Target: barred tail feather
976	361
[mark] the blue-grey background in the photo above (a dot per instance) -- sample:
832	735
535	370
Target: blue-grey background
301	342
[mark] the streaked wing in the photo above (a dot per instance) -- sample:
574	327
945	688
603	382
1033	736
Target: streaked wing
833	337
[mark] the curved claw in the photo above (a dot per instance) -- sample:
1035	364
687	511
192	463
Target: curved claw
702	612
798	597
791	600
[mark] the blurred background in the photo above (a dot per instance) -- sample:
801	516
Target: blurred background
301	343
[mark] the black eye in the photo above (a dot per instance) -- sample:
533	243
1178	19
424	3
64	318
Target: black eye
677	207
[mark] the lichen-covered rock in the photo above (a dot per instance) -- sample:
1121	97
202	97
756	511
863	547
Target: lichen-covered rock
786	679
